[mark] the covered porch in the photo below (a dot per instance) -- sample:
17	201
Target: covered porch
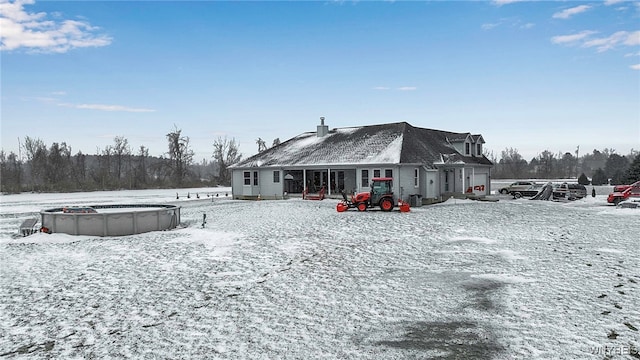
464	180
312	180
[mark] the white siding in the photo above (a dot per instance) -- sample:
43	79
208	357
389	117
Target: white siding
405	183
431	184
267	188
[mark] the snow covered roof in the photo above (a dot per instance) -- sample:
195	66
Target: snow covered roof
395	143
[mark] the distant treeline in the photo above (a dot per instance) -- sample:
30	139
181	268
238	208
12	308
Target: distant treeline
54	168
598	167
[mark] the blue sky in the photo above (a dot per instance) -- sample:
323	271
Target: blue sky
529	75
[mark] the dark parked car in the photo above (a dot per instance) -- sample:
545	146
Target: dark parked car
569	191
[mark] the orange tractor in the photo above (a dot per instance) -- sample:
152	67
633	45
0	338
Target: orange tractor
381	195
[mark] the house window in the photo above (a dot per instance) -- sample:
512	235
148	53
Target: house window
255	178
365	178
376	173
479	149
247	178
416	177
388	173
276	176
466	148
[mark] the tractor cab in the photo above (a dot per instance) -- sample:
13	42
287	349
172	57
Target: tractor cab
379	188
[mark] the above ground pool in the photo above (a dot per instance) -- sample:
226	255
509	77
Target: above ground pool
110	220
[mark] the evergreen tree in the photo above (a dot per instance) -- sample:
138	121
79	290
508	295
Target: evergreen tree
599	178
583	180
618	178
633	173
615	168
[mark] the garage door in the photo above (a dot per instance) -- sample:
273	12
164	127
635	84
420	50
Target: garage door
480	185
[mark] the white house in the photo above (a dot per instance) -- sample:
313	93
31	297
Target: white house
430	163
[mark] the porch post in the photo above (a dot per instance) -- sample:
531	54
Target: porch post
304	180
473	178
463	189
329	181
400	189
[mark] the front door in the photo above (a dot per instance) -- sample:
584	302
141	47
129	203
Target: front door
340	181
446	180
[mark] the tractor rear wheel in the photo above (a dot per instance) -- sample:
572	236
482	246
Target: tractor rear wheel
362	206
386	204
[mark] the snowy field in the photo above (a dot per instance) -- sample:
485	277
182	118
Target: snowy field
294	279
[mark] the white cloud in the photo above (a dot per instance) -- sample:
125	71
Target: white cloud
633	39
619	38
504	2
572	39
102	107
22	29
567	13
380	88
602	44
612	2
489	26
509	22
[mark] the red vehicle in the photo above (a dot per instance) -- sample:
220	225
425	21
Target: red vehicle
381	195
624	192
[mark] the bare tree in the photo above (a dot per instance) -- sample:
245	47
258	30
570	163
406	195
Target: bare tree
101	172
180	155
10	172
262	146
121	156
547	165
36	152
58	166
140	178
514	165
79	169
226	153
566	165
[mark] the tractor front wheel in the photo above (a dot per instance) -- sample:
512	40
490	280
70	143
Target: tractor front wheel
362	206
386	205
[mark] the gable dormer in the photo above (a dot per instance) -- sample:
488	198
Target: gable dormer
478	140
462	143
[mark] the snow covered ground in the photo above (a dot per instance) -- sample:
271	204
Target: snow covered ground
294	279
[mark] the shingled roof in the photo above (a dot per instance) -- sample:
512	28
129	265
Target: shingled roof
396	143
